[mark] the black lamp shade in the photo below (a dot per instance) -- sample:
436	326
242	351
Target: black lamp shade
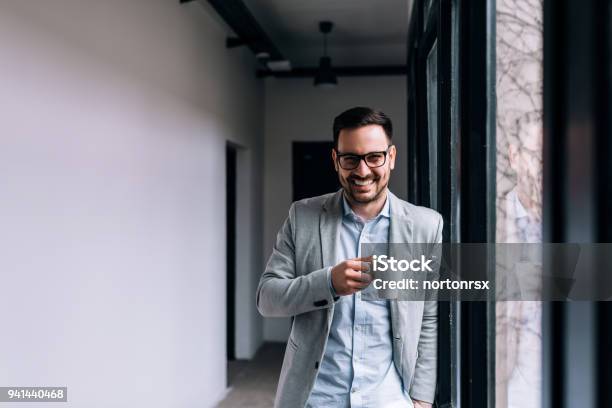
325	77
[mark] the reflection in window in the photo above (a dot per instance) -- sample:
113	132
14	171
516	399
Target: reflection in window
519	55
432	123
426	7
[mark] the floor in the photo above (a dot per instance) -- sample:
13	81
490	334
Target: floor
253	383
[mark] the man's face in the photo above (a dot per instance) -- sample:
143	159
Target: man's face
364	184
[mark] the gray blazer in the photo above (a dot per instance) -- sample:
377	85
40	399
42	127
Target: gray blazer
295	284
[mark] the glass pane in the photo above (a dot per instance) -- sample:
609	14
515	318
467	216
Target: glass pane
426	6
432	123
519	55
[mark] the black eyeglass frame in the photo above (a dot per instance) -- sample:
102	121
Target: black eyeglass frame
362	157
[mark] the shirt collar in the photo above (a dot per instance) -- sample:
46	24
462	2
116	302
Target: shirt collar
348	211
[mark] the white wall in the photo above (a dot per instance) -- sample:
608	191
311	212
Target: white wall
297	111
115	116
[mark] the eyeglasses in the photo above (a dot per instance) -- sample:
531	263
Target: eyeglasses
350	161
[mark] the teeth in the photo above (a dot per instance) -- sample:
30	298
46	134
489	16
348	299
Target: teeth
363	183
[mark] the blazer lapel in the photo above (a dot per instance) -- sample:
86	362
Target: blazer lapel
400	229
329	226
400	232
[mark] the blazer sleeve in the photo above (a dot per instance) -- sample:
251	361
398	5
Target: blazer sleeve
280	292
423	386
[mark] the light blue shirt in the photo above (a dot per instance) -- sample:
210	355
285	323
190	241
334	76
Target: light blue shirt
357	369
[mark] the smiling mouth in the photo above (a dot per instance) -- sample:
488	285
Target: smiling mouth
362	183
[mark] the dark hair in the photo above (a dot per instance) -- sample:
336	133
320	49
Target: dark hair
361	116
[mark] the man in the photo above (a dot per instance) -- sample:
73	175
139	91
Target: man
520	210
518	368
344	351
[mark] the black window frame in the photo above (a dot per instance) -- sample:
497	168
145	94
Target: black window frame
466	126
577	90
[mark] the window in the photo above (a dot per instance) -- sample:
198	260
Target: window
519	135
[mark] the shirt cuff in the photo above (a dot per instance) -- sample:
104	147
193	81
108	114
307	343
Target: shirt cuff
331	286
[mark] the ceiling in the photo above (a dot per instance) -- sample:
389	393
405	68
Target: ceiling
366	32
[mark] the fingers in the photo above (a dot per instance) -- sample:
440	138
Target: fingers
358	276
358	265
348	276
357	285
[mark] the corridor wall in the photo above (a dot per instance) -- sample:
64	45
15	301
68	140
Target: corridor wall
115	117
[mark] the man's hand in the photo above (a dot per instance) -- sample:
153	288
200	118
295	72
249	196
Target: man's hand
347	277
421	404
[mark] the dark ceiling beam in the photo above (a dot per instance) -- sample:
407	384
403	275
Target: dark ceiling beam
238	17
310	72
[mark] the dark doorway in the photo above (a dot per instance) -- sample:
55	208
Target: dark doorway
230	171
313	170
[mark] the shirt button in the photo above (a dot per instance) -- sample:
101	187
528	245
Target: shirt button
354	390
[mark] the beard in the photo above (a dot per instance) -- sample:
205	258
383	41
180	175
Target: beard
364	194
